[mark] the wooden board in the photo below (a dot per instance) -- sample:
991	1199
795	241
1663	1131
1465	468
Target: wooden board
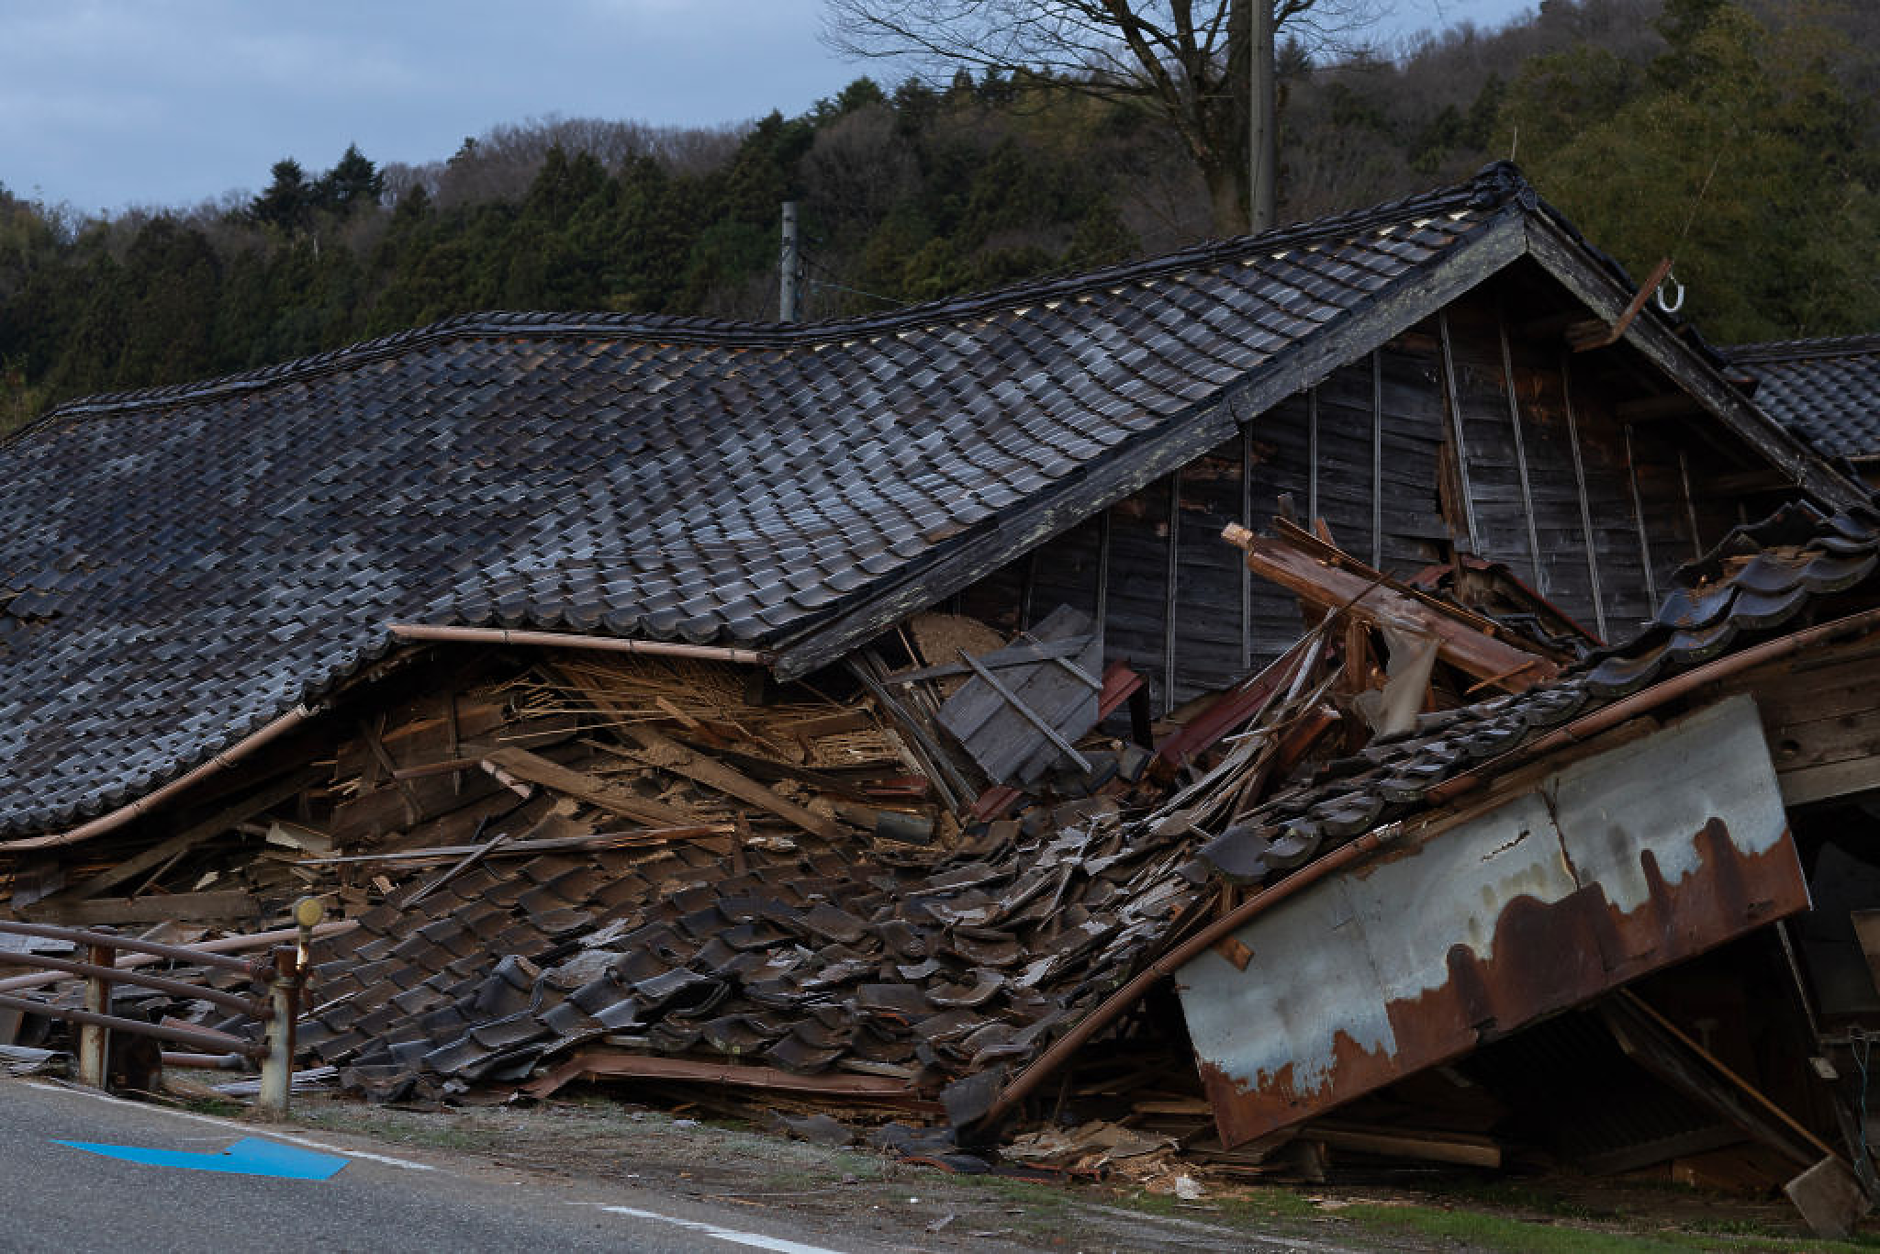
622	801
1376	600
669	755
1006	744
173	908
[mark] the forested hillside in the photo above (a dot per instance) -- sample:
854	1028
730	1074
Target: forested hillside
1739	137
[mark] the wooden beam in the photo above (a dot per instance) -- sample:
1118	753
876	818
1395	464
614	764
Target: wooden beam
1024	653
1378	599
1452	395
1586	507
1436	1147
1638	517
1170	603
158	908
669	755
1520	454
571	783
1377	458
1585	336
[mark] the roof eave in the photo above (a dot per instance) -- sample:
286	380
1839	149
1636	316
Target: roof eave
1607	298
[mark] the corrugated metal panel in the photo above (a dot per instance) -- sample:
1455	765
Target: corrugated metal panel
1613	866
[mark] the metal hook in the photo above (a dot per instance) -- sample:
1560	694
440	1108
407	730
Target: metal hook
1676	302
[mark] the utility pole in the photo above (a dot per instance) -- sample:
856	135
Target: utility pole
1262	123
789	266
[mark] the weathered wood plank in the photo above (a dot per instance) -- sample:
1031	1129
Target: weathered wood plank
1376	600
158	908
571	783
667	754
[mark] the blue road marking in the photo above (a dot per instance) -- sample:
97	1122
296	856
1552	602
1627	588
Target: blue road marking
250	1156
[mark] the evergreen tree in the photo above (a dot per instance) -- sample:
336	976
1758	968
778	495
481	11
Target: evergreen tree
289	199
354	181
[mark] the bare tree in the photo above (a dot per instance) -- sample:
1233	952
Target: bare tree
1205	65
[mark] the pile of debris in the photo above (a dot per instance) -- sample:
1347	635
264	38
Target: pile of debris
913	886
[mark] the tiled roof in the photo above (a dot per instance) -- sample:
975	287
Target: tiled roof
1826	390
1759	580
813	961
182	565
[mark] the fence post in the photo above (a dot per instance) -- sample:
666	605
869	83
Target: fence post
94	1040
277	1070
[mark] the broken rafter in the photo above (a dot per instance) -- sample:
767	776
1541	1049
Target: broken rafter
1377	598
669	755
538	770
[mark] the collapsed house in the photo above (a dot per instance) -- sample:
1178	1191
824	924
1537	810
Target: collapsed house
872	712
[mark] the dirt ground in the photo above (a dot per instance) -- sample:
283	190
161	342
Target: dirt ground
869	1195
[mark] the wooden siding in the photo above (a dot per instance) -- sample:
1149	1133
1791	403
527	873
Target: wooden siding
1591	511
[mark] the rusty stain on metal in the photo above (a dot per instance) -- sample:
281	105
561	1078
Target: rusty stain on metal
1481	929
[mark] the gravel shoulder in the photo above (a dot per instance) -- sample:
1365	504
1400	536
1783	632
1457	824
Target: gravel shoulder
860	1197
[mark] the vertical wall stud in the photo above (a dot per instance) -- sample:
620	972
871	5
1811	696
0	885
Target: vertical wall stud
1455	420
1246	520
1586	506
1690	504
1312	456
1028	586
1638	515
1377	460
1169	602
1103	572
1520	453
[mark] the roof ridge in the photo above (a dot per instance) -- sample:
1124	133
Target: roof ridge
1495	184
1800	349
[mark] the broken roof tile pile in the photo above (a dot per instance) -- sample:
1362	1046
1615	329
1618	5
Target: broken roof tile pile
1827	390
810	961
1760	579
184	565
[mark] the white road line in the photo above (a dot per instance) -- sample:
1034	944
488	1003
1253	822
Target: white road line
756	1240
246	1129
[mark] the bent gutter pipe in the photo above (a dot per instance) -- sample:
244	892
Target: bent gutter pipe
150	801
1572	733
563	640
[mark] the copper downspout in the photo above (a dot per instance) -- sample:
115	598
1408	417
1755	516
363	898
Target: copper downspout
562	640
1572	733
150	801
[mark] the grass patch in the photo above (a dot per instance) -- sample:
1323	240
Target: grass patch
1502	1232
221	1106
1499	1232
1259	1206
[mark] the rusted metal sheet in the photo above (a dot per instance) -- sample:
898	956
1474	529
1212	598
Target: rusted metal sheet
1611	867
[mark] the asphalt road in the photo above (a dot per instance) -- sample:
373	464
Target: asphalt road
55	1197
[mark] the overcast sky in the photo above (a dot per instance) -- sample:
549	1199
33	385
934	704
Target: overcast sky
110	103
